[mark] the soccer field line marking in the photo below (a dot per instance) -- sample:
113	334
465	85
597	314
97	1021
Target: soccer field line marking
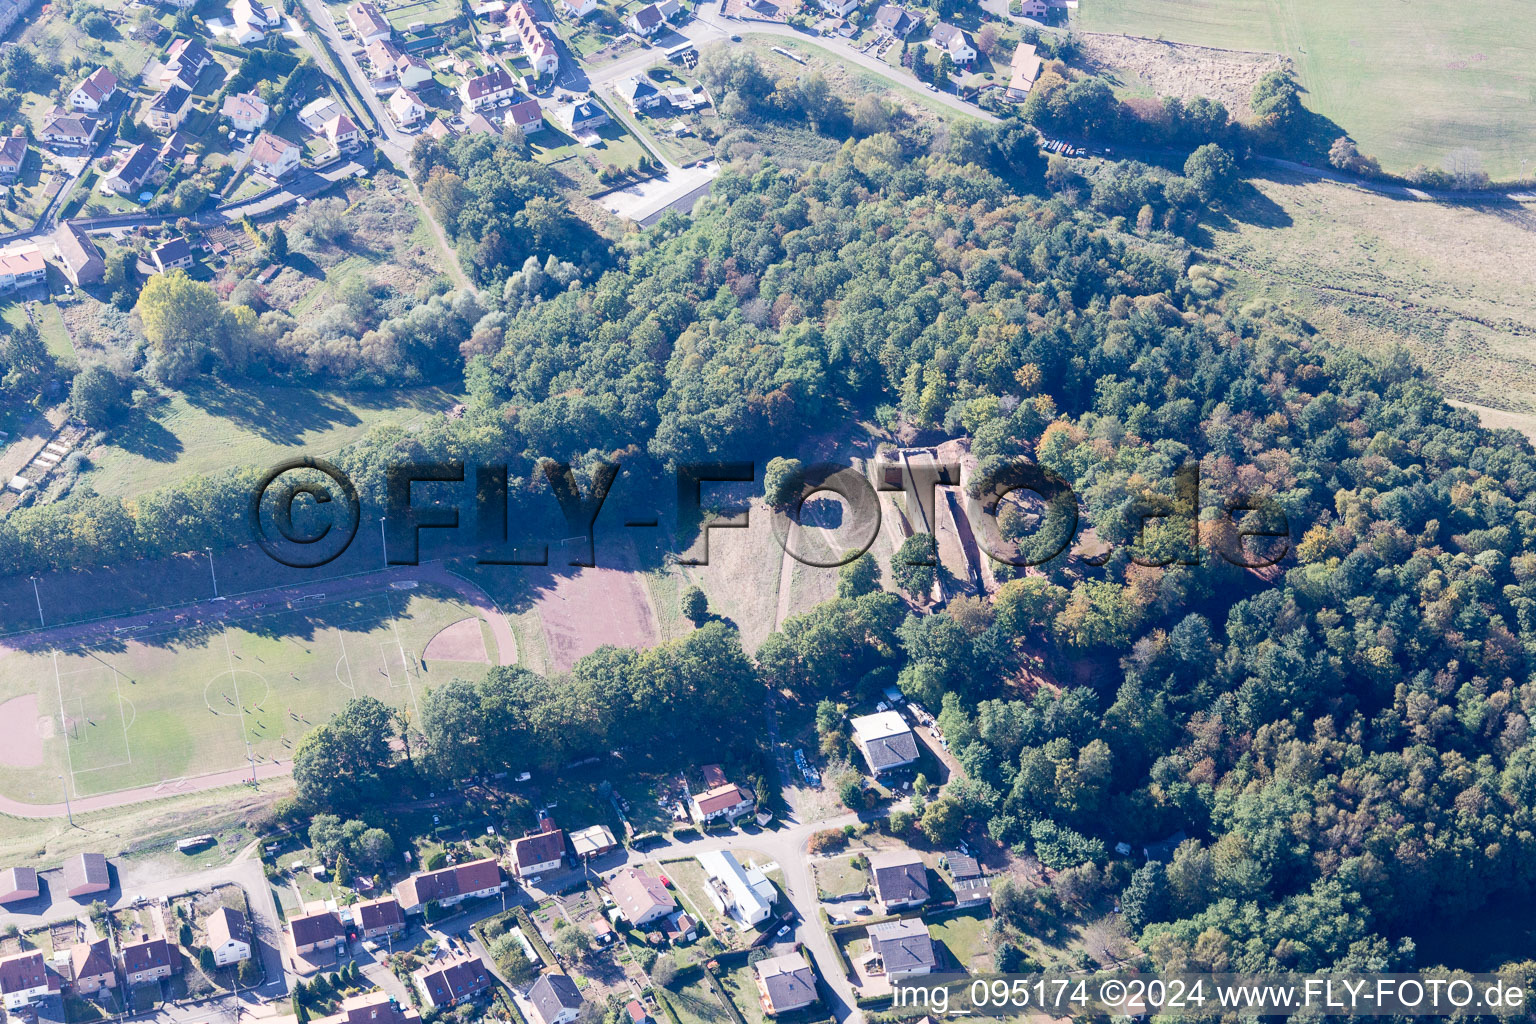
69	758
82	720
234	681
346	658
406	664
117	684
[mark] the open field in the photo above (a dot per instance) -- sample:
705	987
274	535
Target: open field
1409	84
154	707
1372	271
204	429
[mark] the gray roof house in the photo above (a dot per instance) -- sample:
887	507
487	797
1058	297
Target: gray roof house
904	947
901	879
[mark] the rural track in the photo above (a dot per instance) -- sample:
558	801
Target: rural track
221	612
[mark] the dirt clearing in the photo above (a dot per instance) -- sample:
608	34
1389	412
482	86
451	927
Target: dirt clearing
1179	69
21	735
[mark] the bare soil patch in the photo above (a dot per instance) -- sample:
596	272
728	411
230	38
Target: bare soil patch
583	609
462	641
1182	70
21	740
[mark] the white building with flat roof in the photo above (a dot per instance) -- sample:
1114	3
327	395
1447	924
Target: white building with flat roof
747	899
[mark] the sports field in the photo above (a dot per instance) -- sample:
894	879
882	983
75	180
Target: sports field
1410	82
149	708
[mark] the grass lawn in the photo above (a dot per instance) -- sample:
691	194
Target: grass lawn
740	985
696	1003
838	877
164	705
964	934
207	428
618	147
50	324
1410	87
1372	272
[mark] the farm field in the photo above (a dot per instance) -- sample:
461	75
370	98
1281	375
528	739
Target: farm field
157	706
1374	272
204	429
1409	85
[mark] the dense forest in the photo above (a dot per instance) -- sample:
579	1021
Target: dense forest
1345	740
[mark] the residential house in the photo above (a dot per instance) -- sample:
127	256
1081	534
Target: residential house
477	124
840	8
246	111
901	879
1035	9
82	265
184	61
885	741
747	898
440	131
86	874
13	154
646	22
174	149
10	10
411	71
580	117
670	9
639	92
315	929
537	854
229	933
723	803
555	999
92	965
578	9
638	1014
318	111
274	155
679	927
785	983
1024	68
594	840
343	133
895	21
22	267
406	108
528	117
485	91
370	1008
169	109
956	42
25	979
75	131
255	14
476	879
970	886
640	897
382	916
18	884
367	23
904	948
92	94
452	980
130	171
537	46
149	959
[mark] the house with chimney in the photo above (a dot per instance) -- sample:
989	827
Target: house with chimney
378	917
485	91
537	46
452	980
25	979
406	108
885	740
229	936
476	879
83	265
641	898
901	879
92	966
316	929
274	155
69	131
956	42
525	114
785	983
22	267
539	854
246	111
169	109
147	956
13	154
722	803
553	999
132	169
91	95
367	23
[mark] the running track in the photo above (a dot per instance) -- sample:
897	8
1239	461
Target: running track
235	608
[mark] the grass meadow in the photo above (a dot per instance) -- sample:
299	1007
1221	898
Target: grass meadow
1410	83
1448	282
151	707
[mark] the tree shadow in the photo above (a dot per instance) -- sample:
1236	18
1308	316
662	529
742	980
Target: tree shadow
275	413
147	437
